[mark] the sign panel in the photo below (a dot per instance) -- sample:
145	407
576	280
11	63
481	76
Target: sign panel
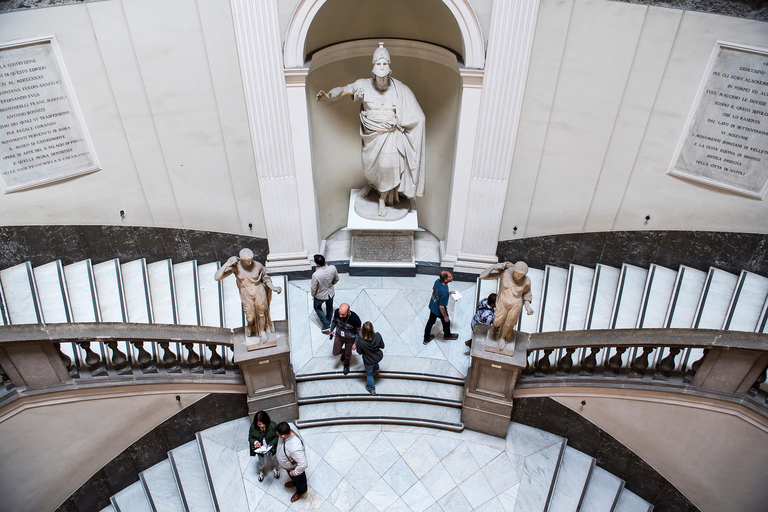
725	142
43	137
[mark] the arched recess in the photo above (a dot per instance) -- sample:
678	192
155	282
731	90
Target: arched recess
471	33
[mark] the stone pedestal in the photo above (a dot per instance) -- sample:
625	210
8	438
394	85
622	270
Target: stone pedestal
381	247
269	377
490	382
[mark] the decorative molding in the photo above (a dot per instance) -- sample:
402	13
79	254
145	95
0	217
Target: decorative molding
396	48
306	10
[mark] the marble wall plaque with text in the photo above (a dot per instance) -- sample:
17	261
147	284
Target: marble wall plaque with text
43	137
725	142
394	246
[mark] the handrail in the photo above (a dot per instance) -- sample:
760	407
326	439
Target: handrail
117	331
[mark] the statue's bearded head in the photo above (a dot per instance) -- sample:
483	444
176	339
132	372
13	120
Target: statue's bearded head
381	62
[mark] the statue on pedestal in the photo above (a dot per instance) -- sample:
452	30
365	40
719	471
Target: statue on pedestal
514	294
392	129
255	292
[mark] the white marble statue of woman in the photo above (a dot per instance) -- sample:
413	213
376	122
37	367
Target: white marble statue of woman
392	129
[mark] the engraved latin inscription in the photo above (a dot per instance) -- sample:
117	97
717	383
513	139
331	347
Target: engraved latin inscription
42	136
727	142
382	246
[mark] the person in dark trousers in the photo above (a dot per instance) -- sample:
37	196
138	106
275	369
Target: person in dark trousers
322	290
263	434
369	344
437	308
291	456
344	328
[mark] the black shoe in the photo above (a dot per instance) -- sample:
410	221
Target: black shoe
453	336
431	337
468	343
326	330
346	369
342	358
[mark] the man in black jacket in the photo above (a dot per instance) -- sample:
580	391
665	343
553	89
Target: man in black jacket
344	328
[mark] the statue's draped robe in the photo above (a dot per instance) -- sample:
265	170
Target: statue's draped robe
393	143
255	288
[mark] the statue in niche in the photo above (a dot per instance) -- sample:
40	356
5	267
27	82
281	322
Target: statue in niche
514	294
392	130
255	292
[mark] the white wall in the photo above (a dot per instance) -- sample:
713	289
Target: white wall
609	90
160	89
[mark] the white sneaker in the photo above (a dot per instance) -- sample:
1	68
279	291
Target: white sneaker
261	476
276	472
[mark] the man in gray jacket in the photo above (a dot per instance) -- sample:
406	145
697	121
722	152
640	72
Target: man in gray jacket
322	290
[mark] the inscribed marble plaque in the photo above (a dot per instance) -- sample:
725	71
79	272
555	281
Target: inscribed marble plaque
42	134
726	138
382	246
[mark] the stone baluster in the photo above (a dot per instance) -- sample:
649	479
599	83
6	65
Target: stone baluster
589	363
195	364
614	363
756	386
695	367
667	365
93	360
528	370
67	361
640	364
169	358
566	362
145	359
119	359
542	366
217	363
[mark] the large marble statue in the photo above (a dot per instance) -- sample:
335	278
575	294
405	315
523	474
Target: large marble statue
255	291
514	294
392	129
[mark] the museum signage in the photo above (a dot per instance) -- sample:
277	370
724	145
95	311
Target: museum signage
43	137
725	142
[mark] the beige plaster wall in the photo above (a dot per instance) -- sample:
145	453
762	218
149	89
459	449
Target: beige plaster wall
717	460
48	452
609	90
160	89
335	134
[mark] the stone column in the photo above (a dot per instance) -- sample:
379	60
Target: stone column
510	42
259	49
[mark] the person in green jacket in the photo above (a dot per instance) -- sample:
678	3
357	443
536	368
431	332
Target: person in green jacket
262	433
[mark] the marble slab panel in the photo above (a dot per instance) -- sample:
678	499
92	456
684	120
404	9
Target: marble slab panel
631	502
629	296
749	301
656	297
529	323
455	501
502	473
210	295
160	485
343	497
324	479
400	477
717	295
438	481
191	476
381	455
20	297
362	476
233	307
381	495
132	499
685	298
577	297
602	490
82	291
399	313
162	291
225	475
536	481
109	288
553	297
418	498
187	292
138	303
572	476
602	297
460	464
342	455
52	293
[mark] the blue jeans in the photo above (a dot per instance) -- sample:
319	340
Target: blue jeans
369	369
318	303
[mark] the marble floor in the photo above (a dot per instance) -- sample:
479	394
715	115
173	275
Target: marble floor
398	309
388	468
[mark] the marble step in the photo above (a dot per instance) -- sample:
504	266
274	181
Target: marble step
109	288
160	486
211	299
749	301
20	293
52	293
602	297
552	299
529	323
685	298
631	502
192	480
392	367
715	299
162	292
4	319
132	499
629	297
539	472
572	477
108	508
378	411
656	297
219	447
602	491
81	289
319	391
187	293
577	293
138	300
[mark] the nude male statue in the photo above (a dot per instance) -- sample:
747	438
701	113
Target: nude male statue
255	291
514	294
392	129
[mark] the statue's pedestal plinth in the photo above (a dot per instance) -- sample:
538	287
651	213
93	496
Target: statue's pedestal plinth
490	382
379	246
258	343
269	377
